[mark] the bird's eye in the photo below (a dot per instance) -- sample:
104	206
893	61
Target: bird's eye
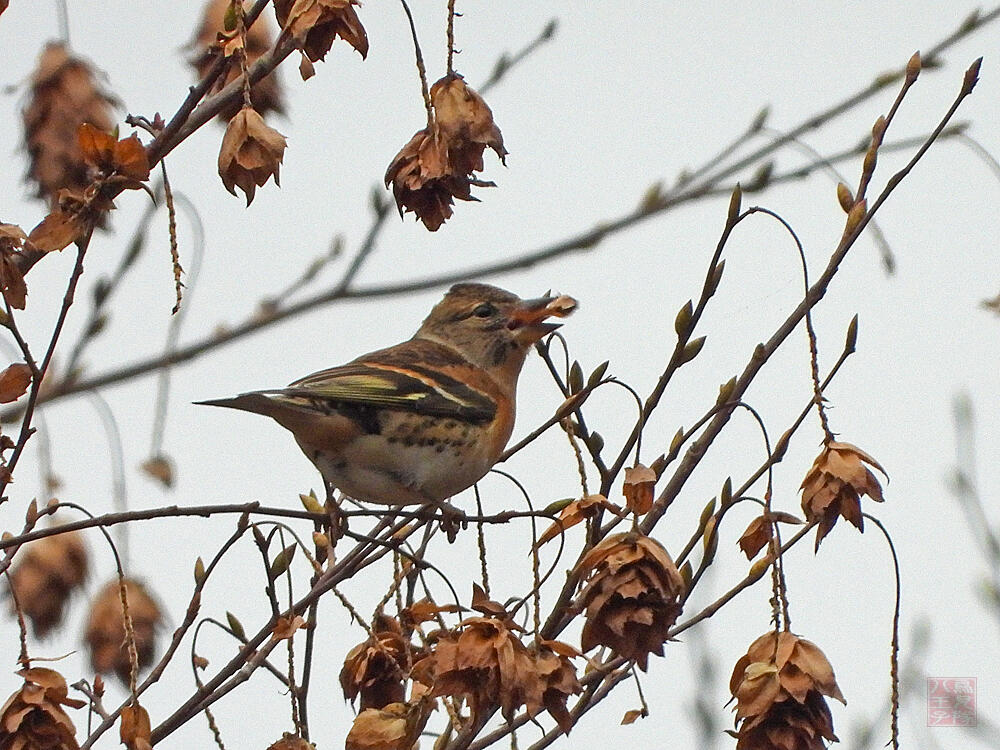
484	310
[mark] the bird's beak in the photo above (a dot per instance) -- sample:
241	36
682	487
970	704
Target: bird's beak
528	319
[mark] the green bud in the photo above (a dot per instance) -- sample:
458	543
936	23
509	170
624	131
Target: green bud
575	377
682	323
691	349
236	626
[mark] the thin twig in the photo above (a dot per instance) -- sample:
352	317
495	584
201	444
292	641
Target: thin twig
241	30
38	374
116	455
175	258
810	331
894	648
22	627
421	70
161	400
251	508
451	37
63	14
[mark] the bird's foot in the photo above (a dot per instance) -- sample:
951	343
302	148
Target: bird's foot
452	519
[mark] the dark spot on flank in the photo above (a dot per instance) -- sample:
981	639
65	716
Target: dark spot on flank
364	415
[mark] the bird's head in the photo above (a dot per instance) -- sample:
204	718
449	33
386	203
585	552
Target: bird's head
490	327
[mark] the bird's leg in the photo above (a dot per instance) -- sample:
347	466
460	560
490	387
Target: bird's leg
330	489
338	521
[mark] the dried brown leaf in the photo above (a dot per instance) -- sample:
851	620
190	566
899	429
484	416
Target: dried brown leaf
422	182
57	230
160	468
285	627
96	146
466	123
757	536
440	162
561	647
131	159
779	686
638	488
632	596
483	604
374	669
14	382
135	728
33	717
574	513
425	610
632	715
306	69
12	239
488	666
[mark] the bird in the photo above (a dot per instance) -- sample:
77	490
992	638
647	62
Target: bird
418	422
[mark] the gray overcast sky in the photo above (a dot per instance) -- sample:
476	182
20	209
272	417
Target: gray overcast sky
627	94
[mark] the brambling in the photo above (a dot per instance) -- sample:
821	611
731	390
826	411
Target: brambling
422	420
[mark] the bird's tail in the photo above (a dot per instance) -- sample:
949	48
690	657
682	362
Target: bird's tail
256	402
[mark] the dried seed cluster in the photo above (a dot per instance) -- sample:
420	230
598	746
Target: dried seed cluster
33	718
486	664
315	24
779	686
290	741
105	634
395	727
439	163
47	572
251	153
834	486
64	94
375	669
631	595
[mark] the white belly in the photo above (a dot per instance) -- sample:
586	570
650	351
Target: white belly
404	475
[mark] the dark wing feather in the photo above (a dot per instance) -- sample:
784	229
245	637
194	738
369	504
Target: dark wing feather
379	384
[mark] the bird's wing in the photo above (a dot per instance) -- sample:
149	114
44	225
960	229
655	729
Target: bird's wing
406	387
